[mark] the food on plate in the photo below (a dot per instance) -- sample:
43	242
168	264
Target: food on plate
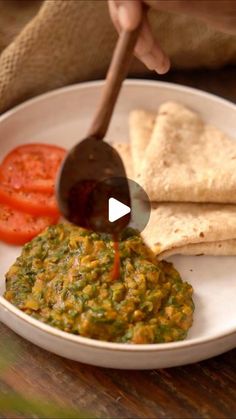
27	181
63	277
124	151
188	228
32	167
186	159
160	153
18	228
141	126
216	248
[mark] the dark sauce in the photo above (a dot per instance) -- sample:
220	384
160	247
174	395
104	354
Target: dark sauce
78	203
88	206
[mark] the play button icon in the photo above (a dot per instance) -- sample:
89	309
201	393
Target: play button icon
117	210
117	203
111	205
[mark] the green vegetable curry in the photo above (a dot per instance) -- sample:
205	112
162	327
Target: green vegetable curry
63	278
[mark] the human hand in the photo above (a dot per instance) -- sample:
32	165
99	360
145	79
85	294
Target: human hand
127	14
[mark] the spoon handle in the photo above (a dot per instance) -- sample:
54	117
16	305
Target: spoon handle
117	72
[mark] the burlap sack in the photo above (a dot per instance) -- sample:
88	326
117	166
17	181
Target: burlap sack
59	42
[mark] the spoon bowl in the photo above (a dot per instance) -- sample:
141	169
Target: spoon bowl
91	173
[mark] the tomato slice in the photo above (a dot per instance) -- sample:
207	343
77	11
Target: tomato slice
32	167
34	203
18	228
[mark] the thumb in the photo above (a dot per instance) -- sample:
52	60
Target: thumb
129	13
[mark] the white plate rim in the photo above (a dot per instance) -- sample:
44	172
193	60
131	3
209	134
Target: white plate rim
128	82
157	347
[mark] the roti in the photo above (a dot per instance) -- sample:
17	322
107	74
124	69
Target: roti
186	159
180	227
141	126
185	228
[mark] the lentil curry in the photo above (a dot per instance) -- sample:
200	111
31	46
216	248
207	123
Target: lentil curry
63	278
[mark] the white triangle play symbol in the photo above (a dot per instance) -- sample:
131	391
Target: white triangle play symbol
116	209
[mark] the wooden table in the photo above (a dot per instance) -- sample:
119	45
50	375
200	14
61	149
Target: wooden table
203	390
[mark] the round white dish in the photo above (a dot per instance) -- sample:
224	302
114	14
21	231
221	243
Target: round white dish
62	117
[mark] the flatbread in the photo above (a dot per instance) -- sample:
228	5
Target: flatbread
125	152
173	226
187	228
187	160
141	125
218	248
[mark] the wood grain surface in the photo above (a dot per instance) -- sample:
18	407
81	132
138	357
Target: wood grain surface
203	390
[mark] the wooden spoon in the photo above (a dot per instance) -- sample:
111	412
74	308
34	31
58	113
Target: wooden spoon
92	161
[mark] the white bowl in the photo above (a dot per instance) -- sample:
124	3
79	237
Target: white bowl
62	117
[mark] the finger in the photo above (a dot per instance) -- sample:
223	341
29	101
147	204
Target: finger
128	13
147	49
150	52
113	10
